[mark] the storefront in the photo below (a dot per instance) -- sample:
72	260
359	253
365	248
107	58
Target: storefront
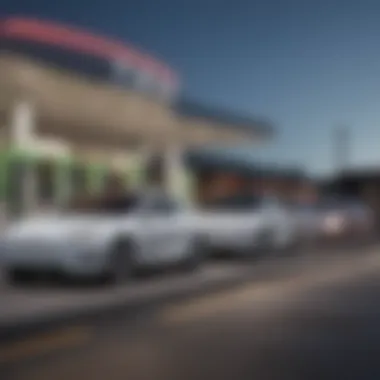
218	177
63	132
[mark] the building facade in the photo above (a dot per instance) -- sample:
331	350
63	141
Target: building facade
76	108
220	175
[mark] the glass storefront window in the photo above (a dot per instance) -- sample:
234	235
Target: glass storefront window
46	181
78	178
16	173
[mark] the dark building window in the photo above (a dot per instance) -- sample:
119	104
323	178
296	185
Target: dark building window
14	193
78	179
45	178
155	169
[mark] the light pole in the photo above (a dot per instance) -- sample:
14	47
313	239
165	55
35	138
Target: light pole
341	148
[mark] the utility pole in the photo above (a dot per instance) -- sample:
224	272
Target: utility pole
341	148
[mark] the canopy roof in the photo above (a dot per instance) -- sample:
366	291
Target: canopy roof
73	107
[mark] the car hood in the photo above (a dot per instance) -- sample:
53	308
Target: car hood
62	226
221	221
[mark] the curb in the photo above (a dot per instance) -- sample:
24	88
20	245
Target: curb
16	330
133	309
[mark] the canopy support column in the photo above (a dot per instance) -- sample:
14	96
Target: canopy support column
22	128
175	173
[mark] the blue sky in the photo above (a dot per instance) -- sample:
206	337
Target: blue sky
308	65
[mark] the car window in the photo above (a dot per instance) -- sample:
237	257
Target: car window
270	202
122	205
289	205
236	203
161	205
306	207
118	205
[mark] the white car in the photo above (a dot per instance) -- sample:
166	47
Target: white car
246	225
309	223
346	220
104	243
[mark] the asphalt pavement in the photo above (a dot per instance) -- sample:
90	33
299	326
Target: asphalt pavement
315	318
24	308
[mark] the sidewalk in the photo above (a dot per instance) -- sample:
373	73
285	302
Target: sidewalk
24	310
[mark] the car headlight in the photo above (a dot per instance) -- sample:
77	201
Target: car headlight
334	223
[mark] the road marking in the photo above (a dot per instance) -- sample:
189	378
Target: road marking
278	291
216	305
44	343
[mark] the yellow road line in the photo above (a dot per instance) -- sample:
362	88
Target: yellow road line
44	343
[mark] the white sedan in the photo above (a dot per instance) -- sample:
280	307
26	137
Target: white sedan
345	220
247	224
104	243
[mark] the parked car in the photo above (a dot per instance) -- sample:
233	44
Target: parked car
308	223
248	225
104	242
344	220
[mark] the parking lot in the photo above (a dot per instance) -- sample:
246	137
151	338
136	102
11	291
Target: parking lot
169	310
40	303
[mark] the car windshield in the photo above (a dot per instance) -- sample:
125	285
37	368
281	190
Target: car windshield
339	204
329	204
243	202
106	205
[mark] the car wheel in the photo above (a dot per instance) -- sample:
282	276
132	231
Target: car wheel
285	245
121	265
293	248
263	244
195	258
18	277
